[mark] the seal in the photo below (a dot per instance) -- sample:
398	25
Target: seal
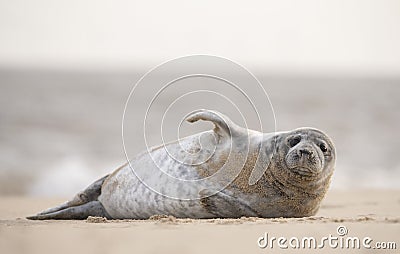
248	173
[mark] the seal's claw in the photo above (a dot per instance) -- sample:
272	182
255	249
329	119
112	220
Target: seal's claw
194	116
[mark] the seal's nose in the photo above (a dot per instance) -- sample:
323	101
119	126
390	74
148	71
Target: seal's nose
306	151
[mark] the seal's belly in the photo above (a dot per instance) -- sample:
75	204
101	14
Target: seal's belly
159	182
125	196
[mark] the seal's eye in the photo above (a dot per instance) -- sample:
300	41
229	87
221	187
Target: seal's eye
294	141
323	147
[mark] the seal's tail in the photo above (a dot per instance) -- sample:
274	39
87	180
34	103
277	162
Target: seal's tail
84	204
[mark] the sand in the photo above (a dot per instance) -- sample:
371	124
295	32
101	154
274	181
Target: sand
66	127
372	213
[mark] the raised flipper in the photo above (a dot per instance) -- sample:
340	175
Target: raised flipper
223	125
223	205
83	204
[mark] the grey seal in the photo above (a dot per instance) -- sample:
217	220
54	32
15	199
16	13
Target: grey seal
281	174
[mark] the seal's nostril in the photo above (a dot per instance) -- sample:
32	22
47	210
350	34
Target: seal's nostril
305	151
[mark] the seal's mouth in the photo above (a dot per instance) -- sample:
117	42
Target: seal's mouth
304	165
305	171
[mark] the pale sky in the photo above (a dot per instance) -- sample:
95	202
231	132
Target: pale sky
336	36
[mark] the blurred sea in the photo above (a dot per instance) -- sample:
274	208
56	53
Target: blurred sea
61	130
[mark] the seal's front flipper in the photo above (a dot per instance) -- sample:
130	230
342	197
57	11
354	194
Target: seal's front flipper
224	205
91	193
223	125
80	212
266	151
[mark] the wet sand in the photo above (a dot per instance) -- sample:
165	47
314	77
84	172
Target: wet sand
368	213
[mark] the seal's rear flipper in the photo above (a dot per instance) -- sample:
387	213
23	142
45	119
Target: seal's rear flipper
91	193
81	212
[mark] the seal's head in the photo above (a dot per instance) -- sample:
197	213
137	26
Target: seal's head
308	152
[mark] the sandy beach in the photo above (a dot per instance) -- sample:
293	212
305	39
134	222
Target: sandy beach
69	135
61	132
368	213
87	86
